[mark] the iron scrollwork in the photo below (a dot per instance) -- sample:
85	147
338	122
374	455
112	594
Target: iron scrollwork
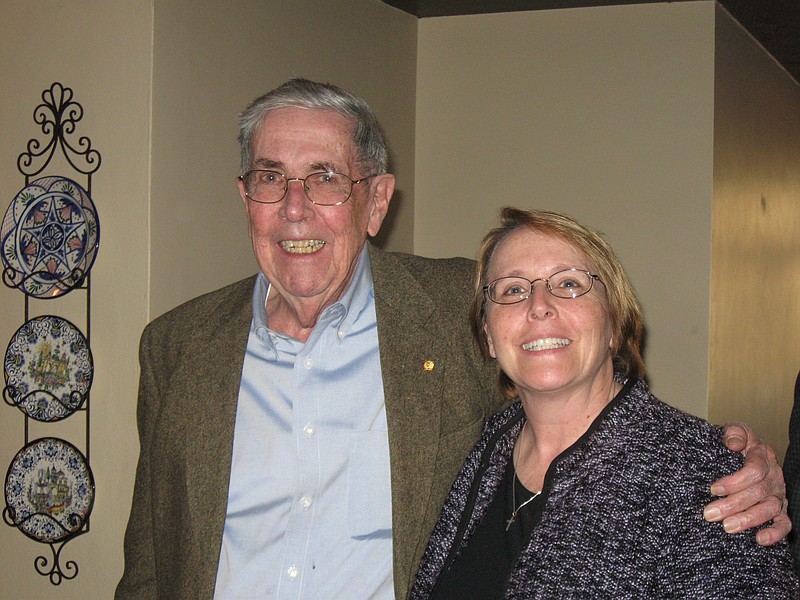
57	116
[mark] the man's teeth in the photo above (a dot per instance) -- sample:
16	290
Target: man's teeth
546	344
302	246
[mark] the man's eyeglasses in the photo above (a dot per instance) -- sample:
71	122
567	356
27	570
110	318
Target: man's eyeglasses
325	189
570	283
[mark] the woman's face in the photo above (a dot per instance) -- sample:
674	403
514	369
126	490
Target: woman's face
547	344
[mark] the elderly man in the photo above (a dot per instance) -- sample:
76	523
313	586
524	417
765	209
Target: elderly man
300	429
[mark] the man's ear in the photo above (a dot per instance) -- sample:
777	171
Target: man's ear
381	191
240	186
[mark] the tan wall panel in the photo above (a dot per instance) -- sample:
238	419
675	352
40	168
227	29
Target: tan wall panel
754	352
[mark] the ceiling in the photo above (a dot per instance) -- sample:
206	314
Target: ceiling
774	23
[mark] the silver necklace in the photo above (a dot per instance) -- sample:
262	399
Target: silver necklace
514	488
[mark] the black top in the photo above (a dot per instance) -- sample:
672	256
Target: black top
482	568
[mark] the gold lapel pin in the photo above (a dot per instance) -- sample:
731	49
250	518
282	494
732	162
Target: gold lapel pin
428	365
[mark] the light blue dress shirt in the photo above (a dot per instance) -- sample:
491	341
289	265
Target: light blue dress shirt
309	508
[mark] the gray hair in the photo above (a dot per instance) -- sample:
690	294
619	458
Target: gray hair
370	141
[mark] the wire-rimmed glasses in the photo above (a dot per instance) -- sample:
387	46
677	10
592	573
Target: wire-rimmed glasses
325	188
569	283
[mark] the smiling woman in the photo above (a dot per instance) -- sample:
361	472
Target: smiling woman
548	342
568	241
587	486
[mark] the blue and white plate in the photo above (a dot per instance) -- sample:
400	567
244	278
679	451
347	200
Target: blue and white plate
48	369
49	237
49	490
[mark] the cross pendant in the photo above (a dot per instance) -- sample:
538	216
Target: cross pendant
510	521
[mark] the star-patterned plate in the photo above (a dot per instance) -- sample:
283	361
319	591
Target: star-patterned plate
49	237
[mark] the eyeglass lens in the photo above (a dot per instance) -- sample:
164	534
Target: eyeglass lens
570	283
321	188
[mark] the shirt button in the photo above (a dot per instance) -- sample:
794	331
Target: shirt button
309	363
308	430
305	501
340	333
292	571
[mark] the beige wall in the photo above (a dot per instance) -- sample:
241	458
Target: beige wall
171	221
754	354
603	113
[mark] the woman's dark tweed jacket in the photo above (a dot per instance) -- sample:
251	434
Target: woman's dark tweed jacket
623	515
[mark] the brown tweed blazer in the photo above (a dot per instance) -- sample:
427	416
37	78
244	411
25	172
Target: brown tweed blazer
191	361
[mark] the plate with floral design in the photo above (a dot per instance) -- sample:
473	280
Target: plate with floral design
49	237
49	490
48	368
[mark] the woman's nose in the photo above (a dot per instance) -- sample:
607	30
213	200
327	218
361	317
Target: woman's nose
540	302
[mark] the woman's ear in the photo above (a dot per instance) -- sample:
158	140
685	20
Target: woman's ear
489	342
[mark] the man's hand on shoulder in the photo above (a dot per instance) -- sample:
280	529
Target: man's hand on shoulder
754	495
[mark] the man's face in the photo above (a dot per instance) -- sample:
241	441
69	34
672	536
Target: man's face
309	252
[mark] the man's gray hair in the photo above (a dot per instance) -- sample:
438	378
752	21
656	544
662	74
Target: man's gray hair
368	136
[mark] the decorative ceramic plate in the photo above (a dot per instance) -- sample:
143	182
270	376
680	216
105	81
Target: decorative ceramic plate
49	490
50	235
48	369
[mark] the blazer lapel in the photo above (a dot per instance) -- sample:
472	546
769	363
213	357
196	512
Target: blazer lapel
220	355
412	363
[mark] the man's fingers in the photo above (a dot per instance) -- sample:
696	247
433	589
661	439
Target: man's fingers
753	473
736	436
773	534
761	513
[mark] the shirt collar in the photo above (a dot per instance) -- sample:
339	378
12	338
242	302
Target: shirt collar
343	313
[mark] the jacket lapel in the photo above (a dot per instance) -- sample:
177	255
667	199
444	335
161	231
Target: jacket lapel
412	364
220	355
